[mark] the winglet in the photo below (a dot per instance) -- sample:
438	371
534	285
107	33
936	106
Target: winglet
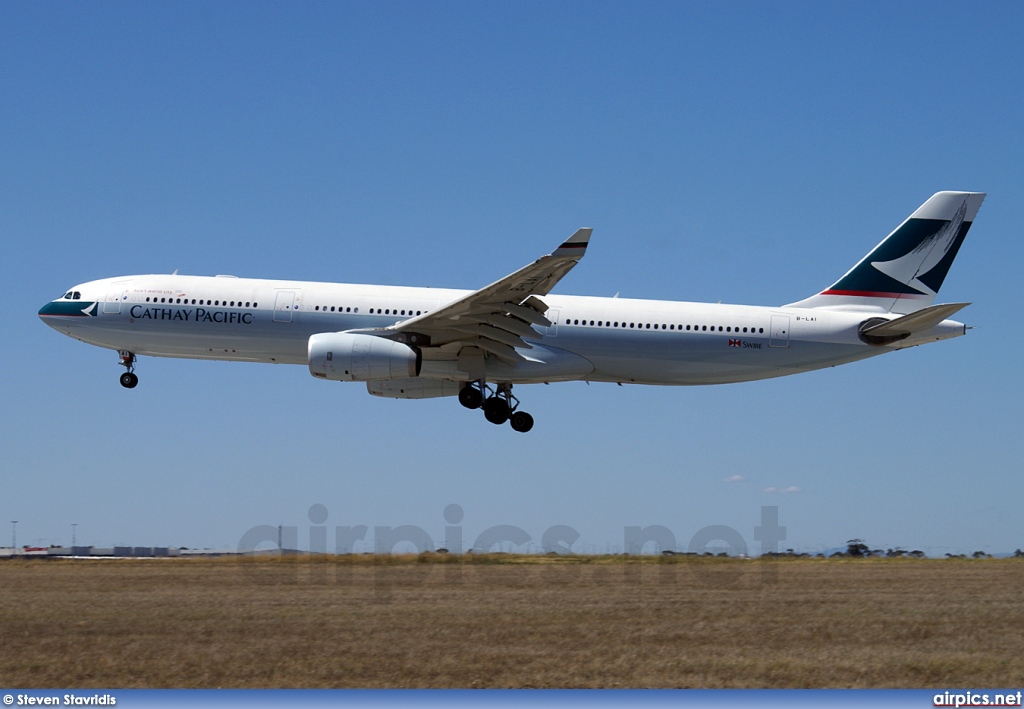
576	245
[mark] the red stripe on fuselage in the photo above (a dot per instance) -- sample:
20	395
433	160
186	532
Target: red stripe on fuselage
872	294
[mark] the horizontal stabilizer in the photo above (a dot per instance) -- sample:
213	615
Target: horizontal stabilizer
916	322
878	331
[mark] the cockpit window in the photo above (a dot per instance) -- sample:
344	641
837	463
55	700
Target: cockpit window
67	296
76	296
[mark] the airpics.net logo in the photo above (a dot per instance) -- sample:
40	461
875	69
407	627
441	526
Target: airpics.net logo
978	699
642	546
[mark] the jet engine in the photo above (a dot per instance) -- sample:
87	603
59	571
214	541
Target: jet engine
346	357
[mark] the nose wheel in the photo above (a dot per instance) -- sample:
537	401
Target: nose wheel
499	407
129	380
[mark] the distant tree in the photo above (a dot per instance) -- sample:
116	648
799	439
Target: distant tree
980	555
857	548
1018	554
892	553
917	554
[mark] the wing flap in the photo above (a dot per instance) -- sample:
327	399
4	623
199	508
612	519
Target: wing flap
513	325
492	333
502	352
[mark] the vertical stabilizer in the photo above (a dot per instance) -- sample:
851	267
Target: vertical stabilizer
903	274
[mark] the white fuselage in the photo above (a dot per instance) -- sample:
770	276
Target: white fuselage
594	339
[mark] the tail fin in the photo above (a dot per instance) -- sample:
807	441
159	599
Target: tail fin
903	274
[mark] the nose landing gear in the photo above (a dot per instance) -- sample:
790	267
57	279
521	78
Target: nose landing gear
499	407
129	380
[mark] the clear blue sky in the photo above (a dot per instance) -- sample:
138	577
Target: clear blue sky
742	152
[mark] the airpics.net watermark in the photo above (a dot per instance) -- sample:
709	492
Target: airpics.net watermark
649	545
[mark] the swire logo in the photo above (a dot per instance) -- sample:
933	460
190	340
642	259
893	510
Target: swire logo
735	343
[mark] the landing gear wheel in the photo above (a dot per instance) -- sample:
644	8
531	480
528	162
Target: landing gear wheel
471	397
496	410
521	421
128	379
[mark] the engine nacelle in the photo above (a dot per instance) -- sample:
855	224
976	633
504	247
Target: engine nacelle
413	388
344	357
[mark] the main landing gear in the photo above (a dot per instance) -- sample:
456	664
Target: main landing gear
499	407
129	380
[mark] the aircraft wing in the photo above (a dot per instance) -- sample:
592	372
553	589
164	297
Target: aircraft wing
498	317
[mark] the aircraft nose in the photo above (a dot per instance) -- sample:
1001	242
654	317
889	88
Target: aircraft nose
64	309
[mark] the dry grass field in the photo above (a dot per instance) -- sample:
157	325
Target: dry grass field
511	622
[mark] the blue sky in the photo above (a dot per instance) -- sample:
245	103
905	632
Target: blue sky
735	152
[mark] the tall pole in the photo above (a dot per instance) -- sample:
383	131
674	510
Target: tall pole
73	525
14	535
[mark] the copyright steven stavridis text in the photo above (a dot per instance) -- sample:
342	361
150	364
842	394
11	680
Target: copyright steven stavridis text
57	700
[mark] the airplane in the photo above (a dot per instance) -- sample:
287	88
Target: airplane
416	343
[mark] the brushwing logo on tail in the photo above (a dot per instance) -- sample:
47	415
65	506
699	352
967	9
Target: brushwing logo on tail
925	256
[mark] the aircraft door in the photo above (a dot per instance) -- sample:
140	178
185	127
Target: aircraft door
112	304
284	306
779	331
552	315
